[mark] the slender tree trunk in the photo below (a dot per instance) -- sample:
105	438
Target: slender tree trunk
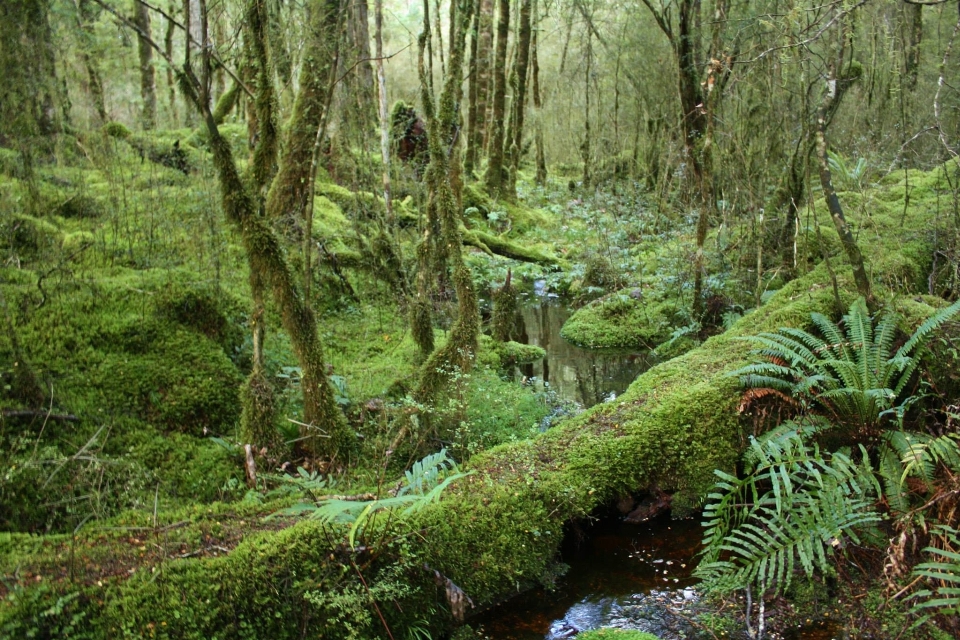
148	83
384	114
537	98
444	203
850	246
519	97
914	26
483	78
585	145
86	16
266	257
171	82
494	175
473	118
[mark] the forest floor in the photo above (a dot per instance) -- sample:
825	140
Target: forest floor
125	304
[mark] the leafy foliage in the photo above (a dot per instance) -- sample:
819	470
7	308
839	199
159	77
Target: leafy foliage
850	371
793	506
944	598
423	484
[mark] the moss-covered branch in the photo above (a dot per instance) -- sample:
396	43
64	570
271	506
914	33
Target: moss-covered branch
488	242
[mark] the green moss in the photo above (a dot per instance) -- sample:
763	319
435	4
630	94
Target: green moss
615	634
621	320
28	239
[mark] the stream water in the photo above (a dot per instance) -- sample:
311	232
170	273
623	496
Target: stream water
585	376
631	576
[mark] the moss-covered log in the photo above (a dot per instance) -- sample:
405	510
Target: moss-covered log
494	530
500	246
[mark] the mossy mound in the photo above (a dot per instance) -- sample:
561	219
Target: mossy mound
623	320
147	345
27	240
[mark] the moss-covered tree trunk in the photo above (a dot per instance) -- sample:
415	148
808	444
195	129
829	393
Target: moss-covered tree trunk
493	178
148	83
290	190
913	25
585	143
444	204
519	98
537	98
86	15
168	53
850	245
327	433
325	430
473	117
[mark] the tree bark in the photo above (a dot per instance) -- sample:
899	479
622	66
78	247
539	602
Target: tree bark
519	98
384	114
290	189
148	83
86	15
444	203
541	177
850	246
473	118
493	178
913	24
266	258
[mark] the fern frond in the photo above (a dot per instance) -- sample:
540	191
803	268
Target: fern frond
928	326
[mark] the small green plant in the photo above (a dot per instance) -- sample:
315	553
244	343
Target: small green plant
423	484
945	572
792	509
850	372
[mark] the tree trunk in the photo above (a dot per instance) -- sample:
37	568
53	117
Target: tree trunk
148	83
262	120
290	189
266	258
537	99
384	114
443	199
171	82
913	23
473	118
494	175
850	246
86	16
585	145
519	97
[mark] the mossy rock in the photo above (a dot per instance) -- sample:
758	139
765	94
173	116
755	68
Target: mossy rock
80	206
116	130
515	354
621	320
28	238
209	311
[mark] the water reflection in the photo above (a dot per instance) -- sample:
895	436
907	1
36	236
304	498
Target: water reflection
586	376
614	563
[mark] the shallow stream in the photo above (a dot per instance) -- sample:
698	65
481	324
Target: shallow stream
585	376
630	576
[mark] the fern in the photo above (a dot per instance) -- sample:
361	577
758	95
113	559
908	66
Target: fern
793	506
917	455
850	372
423	484
944	598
